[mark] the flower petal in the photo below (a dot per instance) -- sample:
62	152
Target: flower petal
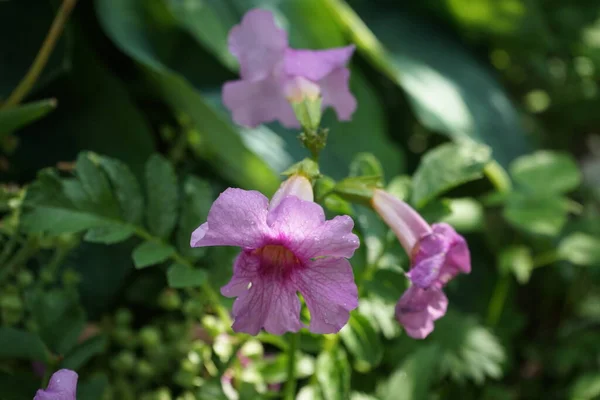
315	64
237	218
428	259
264	300
327	285
295	185
336	93
458	257
418	308
255	102
258	43
405	222
62	386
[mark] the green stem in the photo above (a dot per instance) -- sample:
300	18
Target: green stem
19	258
498	176
40	61
545	259
498	299
289	391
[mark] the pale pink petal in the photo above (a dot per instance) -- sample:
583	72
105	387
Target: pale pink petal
336	93
327	285
418	308
316	64
295	185
255	102
237	218
62	386
458	257
264	300
428	259
258	43
302	227
405	222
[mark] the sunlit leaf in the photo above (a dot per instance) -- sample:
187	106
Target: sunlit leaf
546	172
580	249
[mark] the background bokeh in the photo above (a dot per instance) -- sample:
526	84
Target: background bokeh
481	113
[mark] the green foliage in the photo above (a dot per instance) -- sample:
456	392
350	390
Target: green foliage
21	345
546	172
14	118
362	342
413	378
333	374
580	249
181	276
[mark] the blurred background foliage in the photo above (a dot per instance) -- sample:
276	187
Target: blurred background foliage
481	113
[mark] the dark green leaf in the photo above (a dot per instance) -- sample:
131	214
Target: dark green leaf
446	167
197	199
82	353
538	215
93	388
333	374
181	276
96	185
109	234
18	386
161	192
127	189
21	344
60	319
580	249
13	118
546	172
362	342
151	253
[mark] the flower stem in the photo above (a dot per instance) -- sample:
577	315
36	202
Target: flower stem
498	299
41	59
498	176
289	392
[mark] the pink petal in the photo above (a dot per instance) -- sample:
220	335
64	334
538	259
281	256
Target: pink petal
62	386
327	285
237	218
418	308
255	102
315	64
258	43
428	259
405	222
264	300
301	224
458	257
295	185
336	93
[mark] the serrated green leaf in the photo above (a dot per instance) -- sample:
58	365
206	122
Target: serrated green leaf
181	276
580	249
151	253
362	342
413	379
55	220
196	202
518	261
83	352
96	185
19	344
60	319
110	234
14	118
161	192
333	373
546	172
537	215
127	189
446	167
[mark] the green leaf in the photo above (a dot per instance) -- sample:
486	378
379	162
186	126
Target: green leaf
151	253
546	172
423	59
446	167
161	192
580	249
96	185
357	189
14	118
333	374
276	371
586	387
93	388
60	319
109	234
18	386
181	276
83	352
467	350
537	215
366	164
518	261
466	215
127	189
413	379
21	344
196	202
363	343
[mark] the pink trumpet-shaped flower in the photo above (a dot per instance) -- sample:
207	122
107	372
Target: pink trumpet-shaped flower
272	74
437	255
62	386
287	247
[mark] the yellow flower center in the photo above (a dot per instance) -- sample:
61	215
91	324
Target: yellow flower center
276	256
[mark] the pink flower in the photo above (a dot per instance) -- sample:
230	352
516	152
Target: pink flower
437	255
62	386
272	74
287	247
